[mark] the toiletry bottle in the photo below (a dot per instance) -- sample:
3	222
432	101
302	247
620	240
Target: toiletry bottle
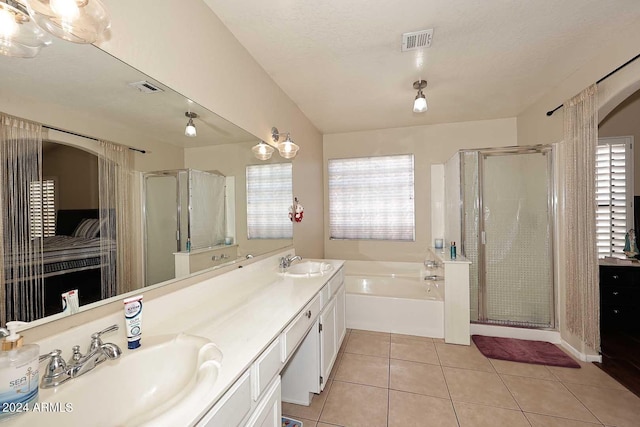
453	250
188	244
19	375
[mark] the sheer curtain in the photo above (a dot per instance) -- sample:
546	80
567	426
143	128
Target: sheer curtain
115	171
22	285
581	271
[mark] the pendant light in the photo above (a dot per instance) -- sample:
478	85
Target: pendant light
190	129
78	21
262	150
420	103
19	35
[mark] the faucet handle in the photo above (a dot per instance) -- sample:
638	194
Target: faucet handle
76	353
95	337
56	371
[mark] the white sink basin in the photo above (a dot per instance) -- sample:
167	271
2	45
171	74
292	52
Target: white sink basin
166	382
309	269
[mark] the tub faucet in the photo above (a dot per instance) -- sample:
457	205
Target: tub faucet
58	371
286	261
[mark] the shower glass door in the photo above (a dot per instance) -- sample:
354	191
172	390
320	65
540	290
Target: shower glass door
514	256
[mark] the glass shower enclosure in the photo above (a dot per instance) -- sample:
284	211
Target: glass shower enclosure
183	210
507	233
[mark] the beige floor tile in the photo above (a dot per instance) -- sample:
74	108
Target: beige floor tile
588	374
538	420
415	351
344	343
326	425
612	407
470	415
336	365
356	405
369	344
438	340
522	369
399	338
311	412
547	398
463	356
362	369
408	409
362	331
484	388
421	378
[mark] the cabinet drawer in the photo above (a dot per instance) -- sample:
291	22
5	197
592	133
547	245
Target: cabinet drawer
335	282
233	407
619	295
265	368
619	276
297	329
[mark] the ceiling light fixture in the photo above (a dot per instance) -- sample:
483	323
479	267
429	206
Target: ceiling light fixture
262	150
420	103
190	130
23	24
287	148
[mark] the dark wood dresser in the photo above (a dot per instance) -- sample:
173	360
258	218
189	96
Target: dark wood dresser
620	323
620	298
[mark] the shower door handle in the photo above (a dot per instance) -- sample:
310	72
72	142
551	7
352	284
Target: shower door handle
483	238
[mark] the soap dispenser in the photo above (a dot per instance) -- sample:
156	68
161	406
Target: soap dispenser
18	371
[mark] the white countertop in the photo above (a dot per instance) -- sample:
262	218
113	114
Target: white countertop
241	311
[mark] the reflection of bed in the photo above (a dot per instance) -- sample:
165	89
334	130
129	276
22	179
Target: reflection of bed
68	262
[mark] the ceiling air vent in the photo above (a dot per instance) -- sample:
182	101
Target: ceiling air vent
145	87
417	40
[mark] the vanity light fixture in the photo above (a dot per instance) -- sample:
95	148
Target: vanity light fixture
24	24
19	35
190	130
420	103
287	148
262	151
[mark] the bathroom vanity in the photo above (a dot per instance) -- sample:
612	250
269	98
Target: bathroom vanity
261	323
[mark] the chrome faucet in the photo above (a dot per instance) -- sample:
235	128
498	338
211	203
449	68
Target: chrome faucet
58	371
286	261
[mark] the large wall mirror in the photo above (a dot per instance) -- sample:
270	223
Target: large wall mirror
80	93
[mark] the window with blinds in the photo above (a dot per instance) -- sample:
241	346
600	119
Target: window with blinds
614	194
372	198
269	196
42	208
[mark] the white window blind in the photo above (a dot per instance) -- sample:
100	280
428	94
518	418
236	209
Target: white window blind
372	198
42	209
614	194
269	195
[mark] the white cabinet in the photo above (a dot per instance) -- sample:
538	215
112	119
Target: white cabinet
309	367
269	411
232	408
328	341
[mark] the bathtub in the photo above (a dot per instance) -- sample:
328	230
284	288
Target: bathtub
398	304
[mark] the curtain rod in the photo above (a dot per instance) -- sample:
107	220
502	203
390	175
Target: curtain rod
90	137
550	113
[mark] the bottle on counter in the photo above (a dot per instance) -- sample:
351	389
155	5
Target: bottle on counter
453	250
19	371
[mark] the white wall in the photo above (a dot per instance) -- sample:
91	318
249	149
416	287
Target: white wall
430	145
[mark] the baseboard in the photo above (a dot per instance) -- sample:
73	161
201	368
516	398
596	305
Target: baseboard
580	355
519	333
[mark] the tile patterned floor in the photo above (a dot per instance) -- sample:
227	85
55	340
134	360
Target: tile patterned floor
391	380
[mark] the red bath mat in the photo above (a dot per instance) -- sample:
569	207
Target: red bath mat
536	352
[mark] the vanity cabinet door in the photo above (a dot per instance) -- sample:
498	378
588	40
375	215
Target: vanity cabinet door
328	340
341	323
269	410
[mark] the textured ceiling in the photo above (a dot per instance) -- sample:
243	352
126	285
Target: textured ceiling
340	61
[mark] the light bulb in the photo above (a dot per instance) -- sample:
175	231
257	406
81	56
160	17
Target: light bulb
190	130
66	9
420	104
8	25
